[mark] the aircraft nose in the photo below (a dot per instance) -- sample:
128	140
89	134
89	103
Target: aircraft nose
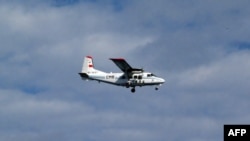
162	80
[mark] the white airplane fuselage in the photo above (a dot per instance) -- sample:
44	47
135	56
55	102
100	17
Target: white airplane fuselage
132	79
140	79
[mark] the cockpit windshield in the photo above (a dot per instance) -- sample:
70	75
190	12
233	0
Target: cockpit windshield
150	75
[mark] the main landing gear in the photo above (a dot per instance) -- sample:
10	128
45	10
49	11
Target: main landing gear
133	90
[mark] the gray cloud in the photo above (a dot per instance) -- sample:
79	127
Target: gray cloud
193	45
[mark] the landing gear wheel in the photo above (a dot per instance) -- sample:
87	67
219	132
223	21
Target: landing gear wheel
156	88
133	90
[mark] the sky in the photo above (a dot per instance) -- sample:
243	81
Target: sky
201	49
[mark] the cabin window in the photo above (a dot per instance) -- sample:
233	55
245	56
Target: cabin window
139	77
135	76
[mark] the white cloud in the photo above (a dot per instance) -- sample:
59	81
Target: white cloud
230	73
42	47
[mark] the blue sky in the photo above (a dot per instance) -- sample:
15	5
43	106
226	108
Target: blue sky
201	48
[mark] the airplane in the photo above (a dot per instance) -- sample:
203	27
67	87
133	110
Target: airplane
130	77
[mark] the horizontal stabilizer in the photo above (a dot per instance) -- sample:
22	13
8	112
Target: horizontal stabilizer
84	75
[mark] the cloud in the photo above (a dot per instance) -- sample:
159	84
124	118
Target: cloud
226	74
200	48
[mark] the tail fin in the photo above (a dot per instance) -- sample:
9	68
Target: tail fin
88	65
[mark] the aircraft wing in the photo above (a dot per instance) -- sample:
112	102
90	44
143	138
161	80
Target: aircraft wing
123	65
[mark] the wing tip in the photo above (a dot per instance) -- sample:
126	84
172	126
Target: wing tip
118	59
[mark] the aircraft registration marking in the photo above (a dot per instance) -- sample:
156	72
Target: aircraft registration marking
110	77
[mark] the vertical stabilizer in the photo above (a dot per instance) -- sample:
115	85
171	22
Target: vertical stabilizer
88	65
